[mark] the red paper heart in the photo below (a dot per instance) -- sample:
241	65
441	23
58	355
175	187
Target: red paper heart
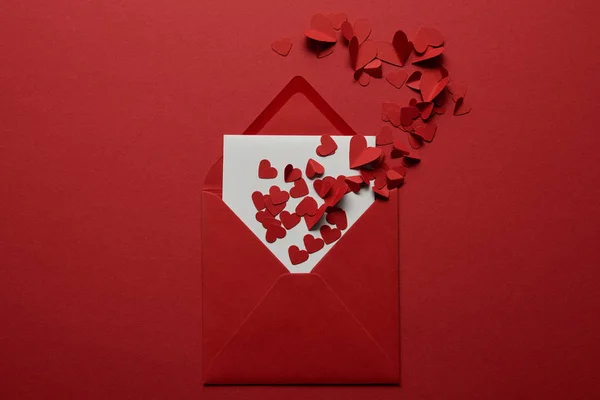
387	53
272	208
296	255
431	87
374	69
384	192
327	147
274	232
397	78
330	235
414	80
289	220
277	195
311	220
439	110
384	136
426	131
337	217
427	37
426	109
364	80
367	175
322	187
347	30
259	200
361	55
265	171
337	193
354	183
307	206
321	29
380	179
337	19
369	155
362	30
291	174
414	141
399	150
312	244
402	46
262	215
394	179
408	115
428	55
461	108
411	159
282	46
358	144
300	189
313	168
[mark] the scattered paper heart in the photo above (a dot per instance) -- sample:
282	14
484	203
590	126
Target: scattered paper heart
329	234
296	255
300	189
291	174
327	147
397	78
289	220
312	244
266	171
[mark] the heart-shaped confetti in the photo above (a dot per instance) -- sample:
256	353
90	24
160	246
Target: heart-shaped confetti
272	208
274	232
364	79
411	159
457	90
427	37
397	78
384	136
362	30
321	29
327	147
363	54
387	54
374	69
289	220
426	131
399	150
312	244
414	80
329	234
383	193
300	189
278	196
322	187
394	179
380	178
402	46
313	168
429	54
431	87
426	109
358	144
291	174
312	220
282	46
307	206
336	216
259	200
408	114
354	183
266	171
369	155
296	255
461	108
414	141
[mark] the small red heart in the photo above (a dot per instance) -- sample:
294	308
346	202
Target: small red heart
307	206
394	179
347	30
427	37
439	110
369	155
457	90
374	69
367	175
363	79
363	54
269	220
354	183
322	187
384	136
411	159
428	55
426	109
274	232
426	131
327	147
461	108
300	189
330	235
414	80
289	220
362	29
313	168
291	174
397	78
402	46
273	209
337	217
358	144
380	179
383	192
296	255
259	200
336	195
312	244
408	115
400	150
387	53
277	195
415	141
265	171
341	181
431	87
321	29
282	46
262	215
311	220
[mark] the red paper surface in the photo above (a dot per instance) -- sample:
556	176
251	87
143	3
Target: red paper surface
113	112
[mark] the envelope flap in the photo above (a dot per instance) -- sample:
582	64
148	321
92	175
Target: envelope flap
301	333
297	109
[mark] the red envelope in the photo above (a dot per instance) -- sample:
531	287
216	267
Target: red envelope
338	324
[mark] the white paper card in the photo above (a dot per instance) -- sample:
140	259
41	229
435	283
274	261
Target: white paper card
241	157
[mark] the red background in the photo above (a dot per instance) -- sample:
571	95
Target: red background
112	112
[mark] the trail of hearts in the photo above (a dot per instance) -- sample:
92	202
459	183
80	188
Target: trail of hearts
375	169
368	59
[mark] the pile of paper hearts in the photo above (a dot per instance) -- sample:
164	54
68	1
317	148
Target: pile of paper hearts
374	170
367	57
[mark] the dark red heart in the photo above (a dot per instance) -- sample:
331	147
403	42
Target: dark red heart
337	217
273	209
274	232
322	187
313	168
291	174
307	206
289	220
265	171
327	147
259	200
312	244
300	189
330	235
296	255
277	195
